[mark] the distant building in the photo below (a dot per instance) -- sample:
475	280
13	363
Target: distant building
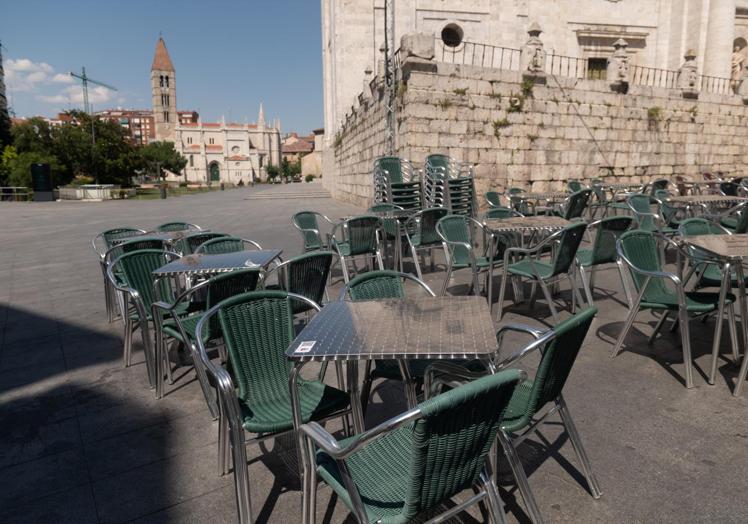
140	123
295	147
215	152
311	164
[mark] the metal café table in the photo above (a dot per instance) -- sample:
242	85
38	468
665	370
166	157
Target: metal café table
732	251
201	264
398	329
522	225
706	201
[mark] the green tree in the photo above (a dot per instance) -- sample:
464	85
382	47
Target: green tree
35	135
20	167
6	160
162	155
285	168
272	171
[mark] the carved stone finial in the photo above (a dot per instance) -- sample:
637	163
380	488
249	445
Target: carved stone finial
688	76
618	67
532	55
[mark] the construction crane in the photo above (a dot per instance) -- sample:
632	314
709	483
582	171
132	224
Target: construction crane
87	108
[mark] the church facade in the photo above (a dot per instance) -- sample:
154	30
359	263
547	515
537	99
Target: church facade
215	151
658	33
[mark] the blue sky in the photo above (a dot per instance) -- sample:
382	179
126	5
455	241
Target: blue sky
229	55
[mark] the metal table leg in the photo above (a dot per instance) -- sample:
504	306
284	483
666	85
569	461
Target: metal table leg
743	325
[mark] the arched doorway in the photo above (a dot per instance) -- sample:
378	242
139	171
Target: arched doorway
215	172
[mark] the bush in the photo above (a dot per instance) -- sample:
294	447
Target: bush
309	178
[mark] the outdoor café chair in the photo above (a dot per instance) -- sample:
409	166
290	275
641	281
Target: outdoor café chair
493	198
420	233
574	186
708	271
178	226
226	244
306	275
190	243
307	223
671	215
519	203
640	252
459	236
501	212
736	219
558	347
257	328
359	239
657	185
177	321
131	274
104	241
544	273
389	226
603	252
647	219
115	303
379	285
415	462
574	206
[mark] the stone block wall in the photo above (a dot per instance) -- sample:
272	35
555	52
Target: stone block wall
540	136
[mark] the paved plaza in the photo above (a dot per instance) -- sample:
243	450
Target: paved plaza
83	440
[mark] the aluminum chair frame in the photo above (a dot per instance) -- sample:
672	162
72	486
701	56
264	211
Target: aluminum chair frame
683	317
542	283
255	245
377	253
323	244
231	433
110	298
134	298
188	226
411	225
313	434
280	270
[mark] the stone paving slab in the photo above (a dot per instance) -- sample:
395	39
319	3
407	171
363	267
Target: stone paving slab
84	440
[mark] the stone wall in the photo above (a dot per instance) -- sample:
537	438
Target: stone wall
540	136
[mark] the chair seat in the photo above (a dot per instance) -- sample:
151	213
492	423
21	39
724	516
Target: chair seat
380	472
189	323
517	409
712	277
181	310
584	257
273	415
524	268
729	222
696	301
416	240
481	262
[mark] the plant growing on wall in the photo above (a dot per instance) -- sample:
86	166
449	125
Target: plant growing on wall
654	117
498	125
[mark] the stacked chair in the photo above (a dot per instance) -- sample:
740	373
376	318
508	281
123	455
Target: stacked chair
396	182
450	183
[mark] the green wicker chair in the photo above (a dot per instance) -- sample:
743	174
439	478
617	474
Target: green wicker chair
671	214
190	243
574	186
575	205
413	463
493	198
308	224
657	185
359	239
105	240
420	233
390	229
603	252
221	245
458	234
501	212
736	219
379	285
519	203
177	321
641	205
178	226
306	275
544	273
257	329
131	274
639	250
115	303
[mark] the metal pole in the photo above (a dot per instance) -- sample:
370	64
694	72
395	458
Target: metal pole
389	72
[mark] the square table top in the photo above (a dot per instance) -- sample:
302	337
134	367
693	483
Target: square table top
707	199
549	195
410	328
202	264
722	246
534	223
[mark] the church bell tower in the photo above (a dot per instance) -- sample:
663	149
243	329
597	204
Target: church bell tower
164	92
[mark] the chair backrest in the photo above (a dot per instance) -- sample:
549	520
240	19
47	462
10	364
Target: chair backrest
599	190
178	226
667	210
306	275
641	204
742	225
191	243
451	441
558	358
361	234
424	222
456	228
226	244
493	198
392	165
569	239
377	285
699	226
382	207
501	212
257	328
574	186
577	203
307	223
136	244
136	270
609	230
227	285
641	249
658	184
439	162
729	188
112	236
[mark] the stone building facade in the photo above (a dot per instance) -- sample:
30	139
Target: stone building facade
658	33
215	151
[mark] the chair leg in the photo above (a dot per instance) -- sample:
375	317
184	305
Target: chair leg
549	299
414	252
686	341
519	475
658	327
344	267
575	294
223	434
586	286
629	301
629	322
718	325
127	353
576	443
366	387
733	331
502	291
446	280
241	476
495	510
